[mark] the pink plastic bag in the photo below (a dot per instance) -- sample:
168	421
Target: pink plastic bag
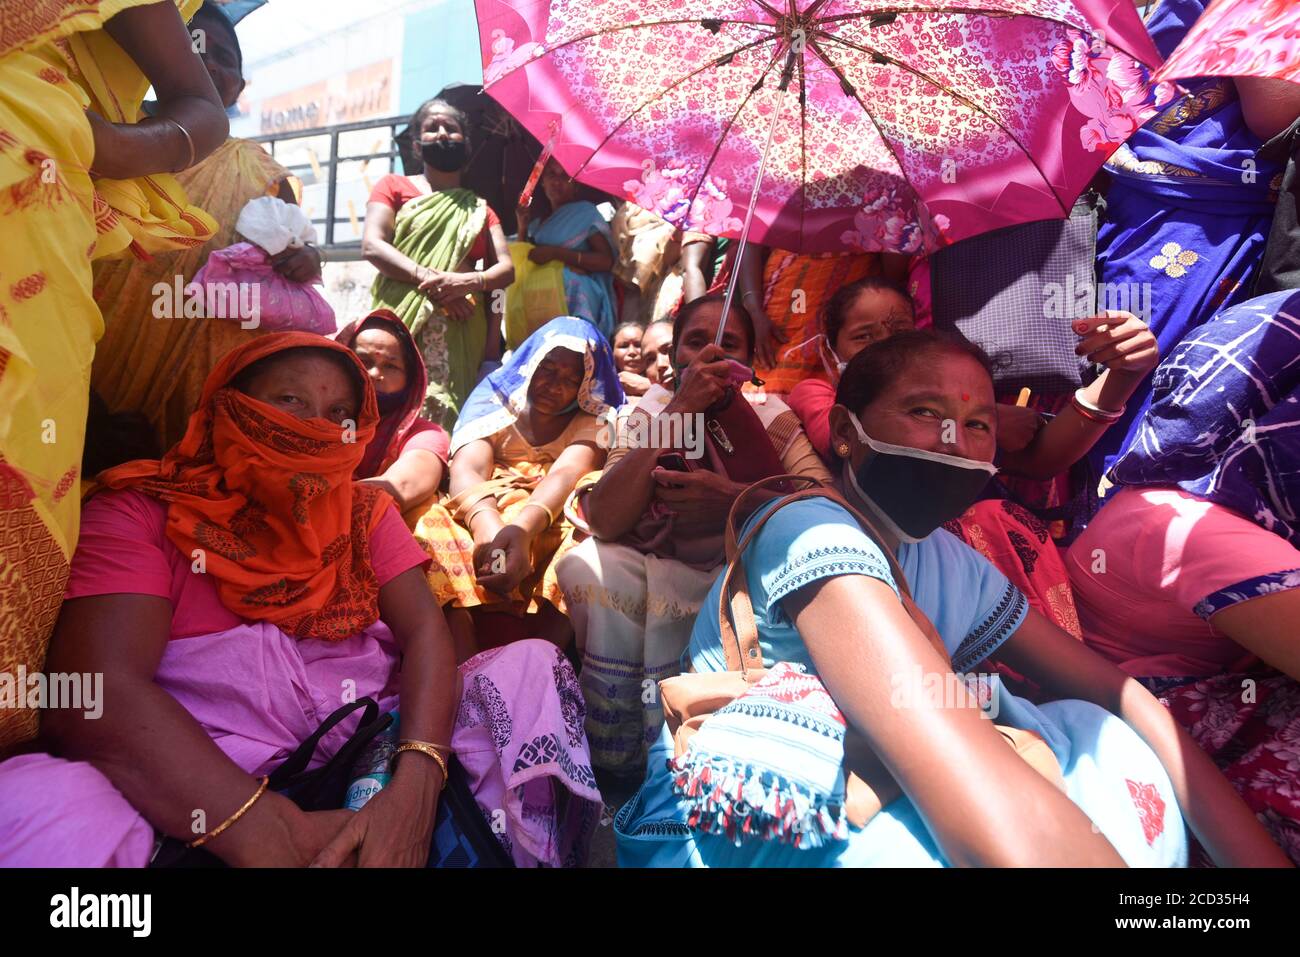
239	283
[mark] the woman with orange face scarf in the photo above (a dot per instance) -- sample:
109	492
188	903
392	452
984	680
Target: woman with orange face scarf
233	595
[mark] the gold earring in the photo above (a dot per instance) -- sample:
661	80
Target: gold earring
842	450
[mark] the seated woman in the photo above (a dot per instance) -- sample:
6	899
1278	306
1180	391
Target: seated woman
407	458
784	294
577	235
1189	576
628	359
863	312
529	432
998	527
826	598
235	594
657	353
633	590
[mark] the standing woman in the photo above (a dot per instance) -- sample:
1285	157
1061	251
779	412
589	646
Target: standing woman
578	236
426	235
157	365
82	176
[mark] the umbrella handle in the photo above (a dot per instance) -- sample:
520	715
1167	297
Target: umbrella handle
797	41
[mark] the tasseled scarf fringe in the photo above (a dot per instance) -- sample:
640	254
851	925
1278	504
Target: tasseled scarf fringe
740	802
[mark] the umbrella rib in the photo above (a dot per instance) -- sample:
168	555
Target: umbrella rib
668	89
879	132
803	147
605	31
976	12
758	85
950	92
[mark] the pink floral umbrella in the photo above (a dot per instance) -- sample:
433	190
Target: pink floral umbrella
1240	38
905	124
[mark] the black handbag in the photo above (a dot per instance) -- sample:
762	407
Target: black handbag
1280	266
1015	291
320	789
462	836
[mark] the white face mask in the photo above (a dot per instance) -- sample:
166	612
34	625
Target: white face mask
915	491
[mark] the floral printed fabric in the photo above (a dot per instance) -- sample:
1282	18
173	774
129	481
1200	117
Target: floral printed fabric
1225	415
1246	590
899	131
1240	38
1250	725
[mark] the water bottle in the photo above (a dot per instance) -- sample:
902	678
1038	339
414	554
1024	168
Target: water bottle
373	768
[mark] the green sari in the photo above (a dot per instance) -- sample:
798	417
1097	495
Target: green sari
437	231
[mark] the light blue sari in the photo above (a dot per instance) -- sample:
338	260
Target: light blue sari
590	296
1109	772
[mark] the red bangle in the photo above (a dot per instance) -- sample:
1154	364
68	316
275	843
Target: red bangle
1090	415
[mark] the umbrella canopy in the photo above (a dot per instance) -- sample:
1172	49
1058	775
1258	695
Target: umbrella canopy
908	123
1240	38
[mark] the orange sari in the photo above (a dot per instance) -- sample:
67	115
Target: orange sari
266	500
795	287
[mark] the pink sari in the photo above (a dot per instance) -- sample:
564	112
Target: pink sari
258	692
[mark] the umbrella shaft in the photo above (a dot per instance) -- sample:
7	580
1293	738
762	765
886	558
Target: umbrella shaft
781	91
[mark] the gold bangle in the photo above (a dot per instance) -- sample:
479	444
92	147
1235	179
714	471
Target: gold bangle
188	139
428	744
469	519
550	516
199	842
425	749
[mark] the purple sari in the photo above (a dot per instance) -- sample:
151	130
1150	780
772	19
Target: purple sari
1188	213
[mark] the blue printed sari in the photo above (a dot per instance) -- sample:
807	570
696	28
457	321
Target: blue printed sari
589	295
1188	211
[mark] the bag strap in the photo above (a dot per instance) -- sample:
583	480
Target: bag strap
297	762
740	643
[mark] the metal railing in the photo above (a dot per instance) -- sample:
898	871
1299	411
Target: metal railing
329	167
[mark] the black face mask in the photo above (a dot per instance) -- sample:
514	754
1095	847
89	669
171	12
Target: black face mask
446	156
390	401
915	491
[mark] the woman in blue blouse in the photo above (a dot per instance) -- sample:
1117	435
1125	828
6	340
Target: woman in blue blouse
914	427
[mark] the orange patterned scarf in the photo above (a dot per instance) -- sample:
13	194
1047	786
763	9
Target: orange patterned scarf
267	501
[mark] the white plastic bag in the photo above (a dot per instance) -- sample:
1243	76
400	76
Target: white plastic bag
275	225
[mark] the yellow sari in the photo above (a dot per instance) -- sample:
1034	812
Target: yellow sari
158	366
55	62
